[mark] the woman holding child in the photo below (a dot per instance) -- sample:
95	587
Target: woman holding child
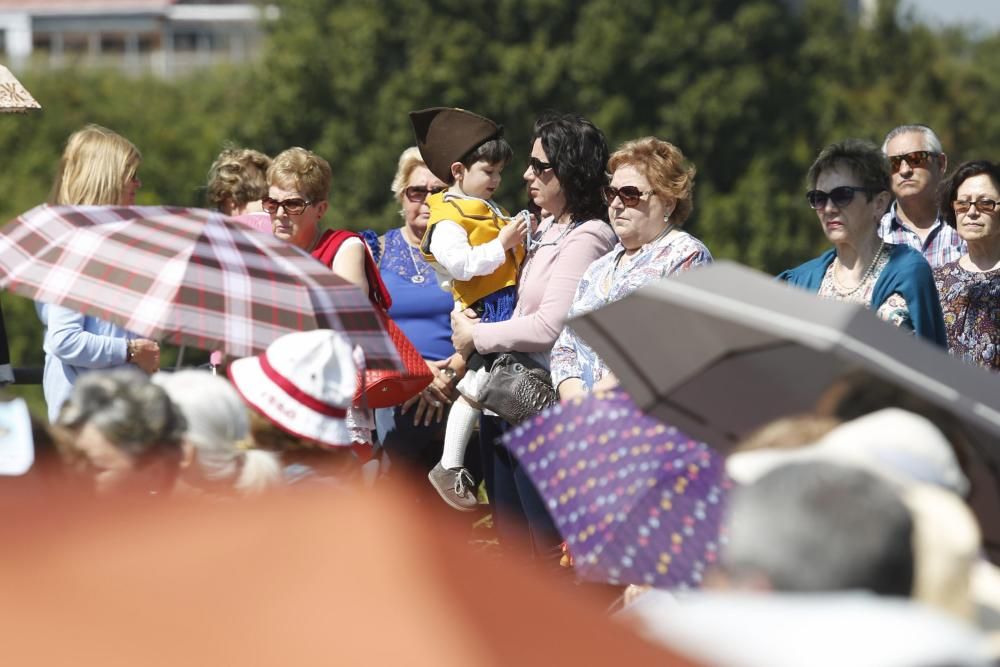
649	199
565	174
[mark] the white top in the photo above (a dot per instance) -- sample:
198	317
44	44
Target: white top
451	249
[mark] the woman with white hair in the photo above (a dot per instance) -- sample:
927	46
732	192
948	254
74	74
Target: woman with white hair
216	449
122	431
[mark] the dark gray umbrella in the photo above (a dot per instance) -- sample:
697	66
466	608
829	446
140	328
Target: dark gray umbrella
723	349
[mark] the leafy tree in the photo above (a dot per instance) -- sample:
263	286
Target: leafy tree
747	89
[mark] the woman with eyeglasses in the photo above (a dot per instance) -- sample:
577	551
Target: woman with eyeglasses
413	432
564	177
298	184
969	287
850	191
649	199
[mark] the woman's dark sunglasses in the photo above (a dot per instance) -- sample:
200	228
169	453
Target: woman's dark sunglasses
293	206
417	193
538	166
984	205
629	195
840	197
914	159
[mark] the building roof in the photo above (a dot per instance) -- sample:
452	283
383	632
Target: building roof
83	6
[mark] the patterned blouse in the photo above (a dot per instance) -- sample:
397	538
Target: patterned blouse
971	317
893	309
606	281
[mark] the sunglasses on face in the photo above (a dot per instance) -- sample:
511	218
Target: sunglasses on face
418	193
292	206
538	166
983	205
841	196
629	195
914	159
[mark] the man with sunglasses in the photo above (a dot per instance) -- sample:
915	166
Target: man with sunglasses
918	163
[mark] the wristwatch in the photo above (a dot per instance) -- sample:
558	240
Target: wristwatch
449	373
129	351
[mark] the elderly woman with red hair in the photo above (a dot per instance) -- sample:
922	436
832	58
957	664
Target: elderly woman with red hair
649	200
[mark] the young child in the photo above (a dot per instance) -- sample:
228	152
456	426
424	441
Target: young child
479	247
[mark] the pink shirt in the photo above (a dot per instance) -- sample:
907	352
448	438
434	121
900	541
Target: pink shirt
545	290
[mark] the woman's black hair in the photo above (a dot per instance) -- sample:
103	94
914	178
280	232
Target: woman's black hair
965	171
578	153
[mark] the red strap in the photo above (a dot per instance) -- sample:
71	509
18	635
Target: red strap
326	249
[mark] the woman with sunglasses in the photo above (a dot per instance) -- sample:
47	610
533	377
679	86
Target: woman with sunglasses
649	199
850	191
564	177
969	287
298	183
413	432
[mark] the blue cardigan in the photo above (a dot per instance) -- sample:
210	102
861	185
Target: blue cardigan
907	273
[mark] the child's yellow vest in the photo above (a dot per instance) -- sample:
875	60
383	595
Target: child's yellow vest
482	226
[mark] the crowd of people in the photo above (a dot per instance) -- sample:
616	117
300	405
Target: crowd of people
471	284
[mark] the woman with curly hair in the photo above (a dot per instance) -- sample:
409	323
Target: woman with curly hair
565	174
237	181
649	199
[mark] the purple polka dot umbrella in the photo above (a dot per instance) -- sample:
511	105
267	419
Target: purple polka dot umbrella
637	501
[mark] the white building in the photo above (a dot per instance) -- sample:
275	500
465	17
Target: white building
164	36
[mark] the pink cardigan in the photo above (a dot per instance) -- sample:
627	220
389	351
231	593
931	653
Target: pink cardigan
545	293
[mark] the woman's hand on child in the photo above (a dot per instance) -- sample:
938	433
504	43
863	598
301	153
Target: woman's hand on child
512	235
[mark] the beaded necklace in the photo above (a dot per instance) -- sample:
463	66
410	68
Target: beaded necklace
843	291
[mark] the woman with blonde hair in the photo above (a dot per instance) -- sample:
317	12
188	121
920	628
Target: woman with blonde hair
217	453
413	433
98	167
298	191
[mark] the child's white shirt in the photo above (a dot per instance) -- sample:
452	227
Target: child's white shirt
451	249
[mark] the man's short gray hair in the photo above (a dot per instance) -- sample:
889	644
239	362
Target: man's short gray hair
811	527
933	143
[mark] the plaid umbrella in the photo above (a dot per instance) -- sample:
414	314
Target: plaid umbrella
13	96
189	276
637	501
